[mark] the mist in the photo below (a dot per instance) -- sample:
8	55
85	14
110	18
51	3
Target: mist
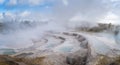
64	16
19	35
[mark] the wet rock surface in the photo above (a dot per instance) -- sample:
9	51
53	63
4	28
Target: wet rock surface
66	49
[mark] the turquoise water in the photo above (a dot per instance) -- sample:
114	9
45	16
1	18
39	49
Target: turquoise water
117	38
7	51
50	45
66	49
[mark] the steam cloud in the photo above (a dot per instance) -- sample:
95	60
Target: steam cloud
64	13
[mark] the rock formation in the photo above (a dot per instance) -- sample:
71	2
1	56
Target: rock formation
69	48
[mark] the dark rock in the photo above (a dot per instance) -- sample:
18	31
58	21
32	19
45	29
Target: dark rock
23	55
84	44
74	34
65	33
81	39
61	38
77	60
